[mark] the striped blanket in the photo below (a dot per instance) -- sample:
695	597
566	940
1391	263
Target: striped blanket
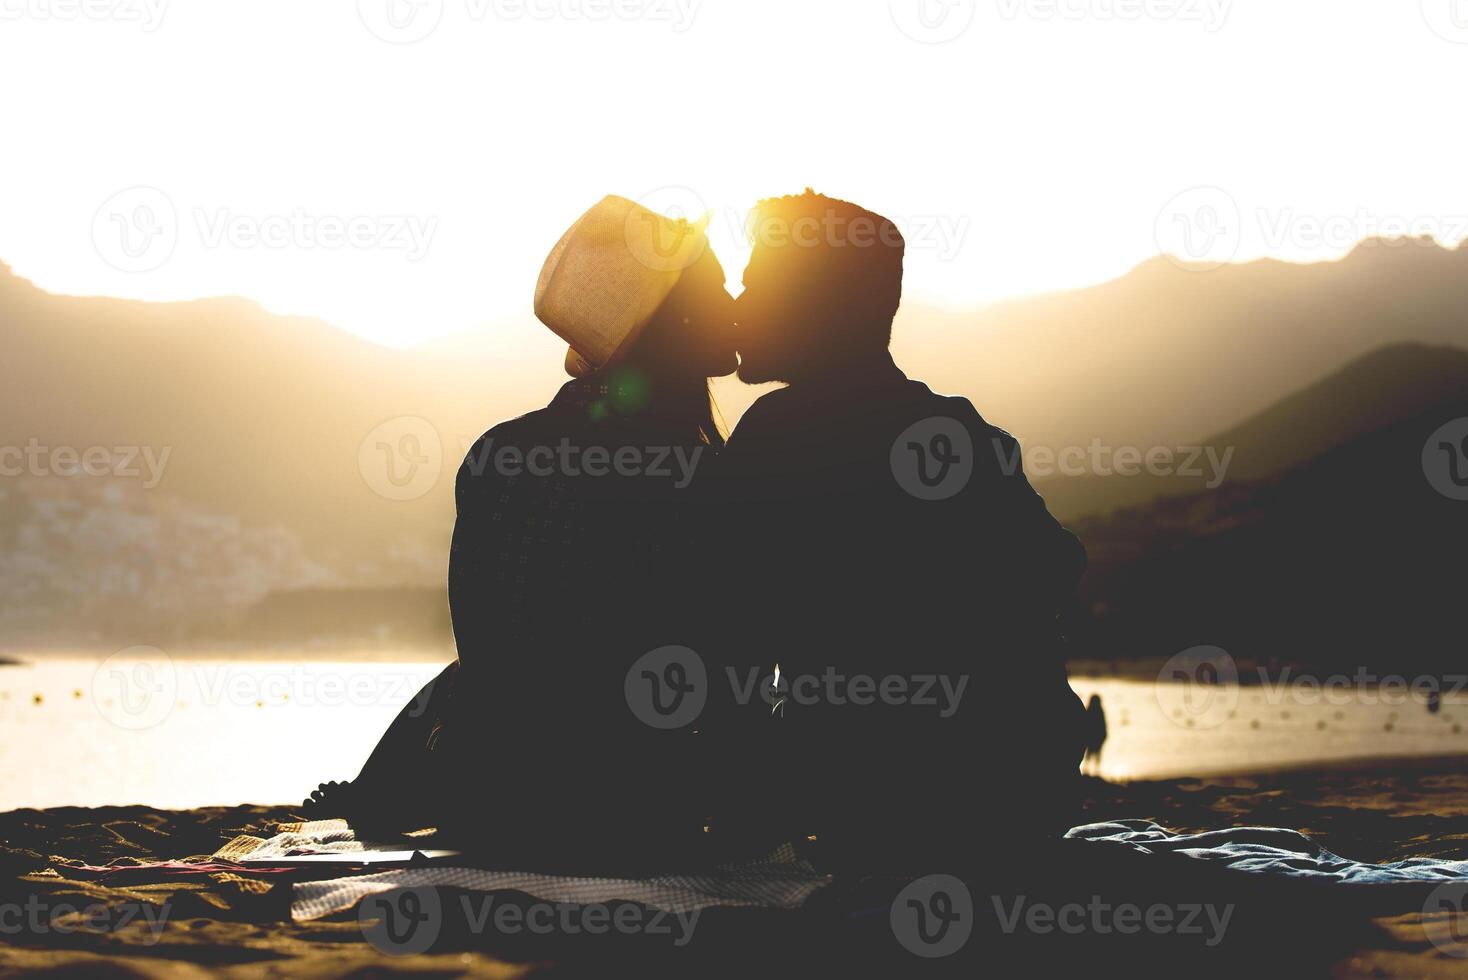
779	881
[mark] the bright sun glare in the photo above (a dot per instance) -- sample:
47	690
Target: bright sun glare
403	177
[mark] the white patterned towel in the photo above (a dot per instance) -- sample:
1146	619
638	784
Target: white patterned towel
779	882
293	840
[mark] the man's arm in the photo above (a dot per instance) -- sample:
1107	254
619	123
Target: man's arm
1045	559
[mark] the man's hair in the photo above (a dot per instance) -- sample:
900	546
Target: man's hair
849	254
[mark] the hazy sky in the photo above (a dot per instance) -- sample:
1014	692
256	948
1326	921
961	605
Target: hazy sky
401	167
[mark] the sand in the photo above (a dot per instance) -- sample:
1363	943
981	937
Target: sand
221	925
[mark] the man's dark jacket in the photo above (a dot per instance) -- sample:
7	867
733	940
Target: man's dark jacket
836	569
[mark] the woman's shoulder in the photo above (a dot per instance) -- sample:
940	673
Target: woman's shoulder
522	432
503	445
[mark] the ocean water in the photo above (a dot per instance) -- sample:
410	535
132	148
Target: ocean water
1165	730
140	727
179	732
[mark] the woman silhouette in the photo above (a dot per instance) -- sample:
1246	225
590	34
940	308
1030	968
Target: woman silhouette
569	561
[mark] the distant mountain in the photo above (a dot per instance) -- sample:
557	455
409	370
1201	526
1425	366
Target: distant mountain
1167	354
1350	557
1374	392
250	424
263	414
272	474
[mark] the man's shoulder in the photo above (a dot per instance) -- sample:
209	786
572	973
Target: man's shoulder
902	405
770	419
929	403
995	450
772	404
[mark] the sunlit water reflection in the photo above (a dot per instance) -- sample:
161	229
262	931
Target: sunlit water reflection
183	733
190	732
1162	730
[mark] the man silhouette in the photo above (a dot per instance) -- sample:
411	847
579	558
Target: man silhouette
886	551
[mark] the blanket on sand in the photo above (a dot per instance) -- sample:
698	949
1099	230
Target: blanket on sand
240	924
1269	851
782	881
779	881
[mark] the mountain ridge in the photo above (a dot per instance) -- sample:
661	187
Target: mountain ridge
264	417
1376	391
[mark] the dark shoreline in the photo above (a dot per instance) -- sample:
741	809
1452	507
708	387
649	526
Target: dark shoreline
1376	811
1384	767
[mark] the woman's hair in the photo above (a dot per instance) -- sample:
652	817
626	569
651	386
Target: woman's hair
703	411
680	395
666	353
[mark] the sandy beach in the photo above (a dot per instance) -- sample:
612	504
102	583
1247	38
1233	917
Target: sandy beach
233	925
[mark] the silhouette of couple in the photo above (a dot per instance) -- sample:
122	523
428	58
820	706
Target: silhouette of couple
840	622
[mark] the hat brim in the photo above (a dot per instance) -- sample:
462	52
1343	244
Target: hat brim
578	366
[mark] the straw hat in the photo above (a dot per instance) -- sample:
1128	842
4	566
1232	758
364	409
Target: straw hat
608	275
